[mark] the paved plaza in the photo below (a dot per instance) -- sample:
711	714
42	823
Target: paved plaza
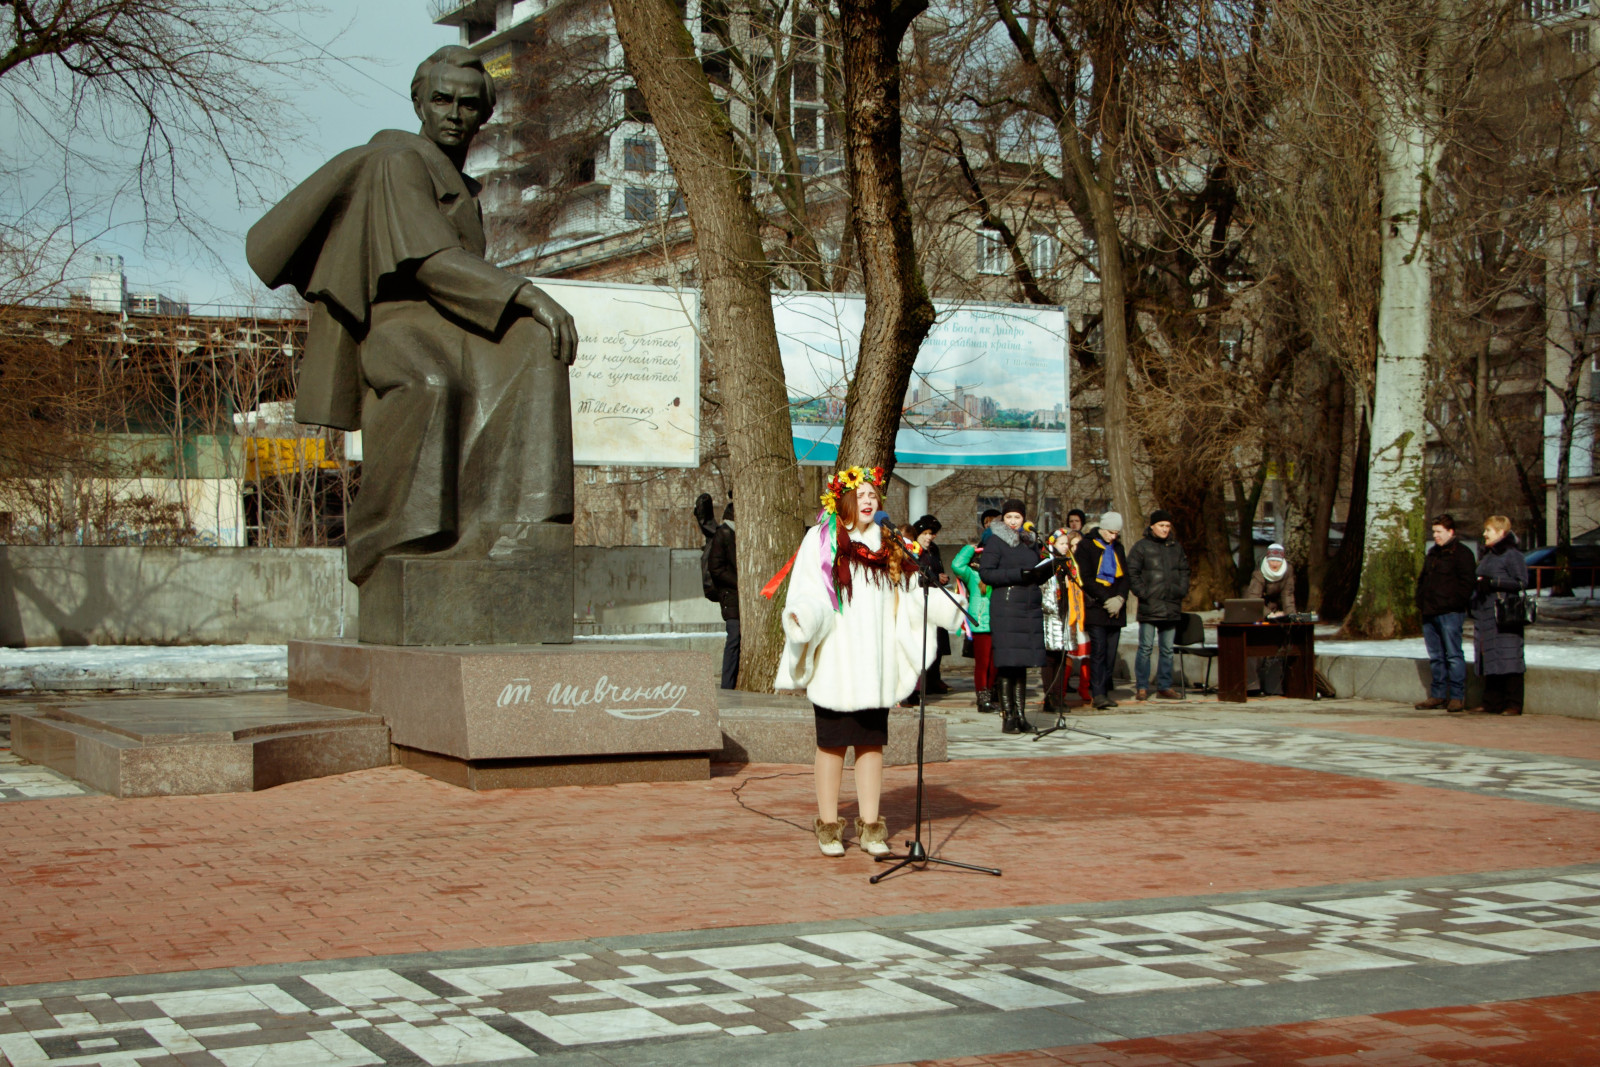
1331	883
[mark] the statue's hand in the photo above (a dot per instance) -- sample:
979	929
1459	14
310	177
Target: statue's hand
563	331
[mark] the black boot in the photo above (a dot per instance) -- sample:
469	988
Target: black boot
1023	725
986	701
1009	703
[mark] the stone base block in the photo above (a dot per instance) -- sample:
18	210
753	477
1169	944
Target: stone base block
552	702
527	600
536	773
777	729
188	746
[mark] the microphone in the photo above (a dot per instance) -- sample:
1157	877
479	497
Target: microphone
882	519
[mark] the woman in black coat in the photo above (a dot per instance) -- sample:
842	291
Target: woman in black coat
1499	652
1009	565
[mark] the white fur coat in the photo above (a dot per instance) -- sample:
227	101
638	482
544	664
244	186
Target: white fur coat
867	655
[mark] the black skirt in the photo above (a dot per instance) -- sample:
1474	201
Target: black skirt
846	729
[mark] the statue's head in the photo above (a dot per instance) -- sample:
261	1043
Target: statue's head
453	96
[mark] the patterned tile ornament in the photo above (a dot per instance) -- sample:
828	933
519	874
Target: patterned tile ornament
1569	782
746	989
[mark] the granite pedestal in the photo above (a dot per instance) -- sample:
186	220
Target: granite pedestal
181	746
769	728
525	599
497	716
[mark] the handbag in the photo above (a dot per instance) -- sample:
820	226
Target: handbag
1513	611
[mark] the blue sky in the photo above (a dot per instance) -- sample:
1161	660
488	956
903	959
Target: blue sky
378	44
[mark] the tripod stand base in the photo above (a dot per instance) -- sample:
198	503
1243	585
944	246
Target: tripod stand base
915	853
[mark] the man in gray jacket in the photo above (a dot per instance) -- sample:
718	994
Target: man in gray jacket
1158	574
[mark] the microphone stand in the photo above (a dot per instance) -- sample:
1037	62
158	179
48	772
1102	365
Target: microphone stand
916	852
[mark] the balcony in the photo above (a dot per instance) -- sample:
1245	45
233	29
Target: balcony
455	12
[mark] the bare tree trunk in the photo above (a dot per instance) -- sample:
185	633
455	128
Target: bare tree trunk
739	334
1327	490
1344	570
899	313
1408	152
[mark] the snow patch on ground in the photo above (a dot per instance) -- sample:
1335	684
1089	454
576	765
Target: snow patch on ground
144	667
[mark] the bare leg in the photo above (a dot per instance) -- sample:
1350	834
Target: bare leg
869	780
829	772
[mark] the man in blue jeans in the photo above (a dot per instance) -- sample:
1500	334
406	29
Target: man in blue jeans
1444	591
1158	574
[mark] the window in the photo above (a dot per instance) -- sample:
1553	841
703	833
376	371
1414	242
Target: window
638	204
810	165
639	155
675	204
992	257
714	17
633	105
805	81
830	132
1045	253
1091	261
1578	42
805	127
585	171
1551	10
717	69
805	35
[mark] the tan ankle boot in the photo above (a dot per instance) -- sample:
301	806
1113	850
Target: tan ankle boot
830	836
873	837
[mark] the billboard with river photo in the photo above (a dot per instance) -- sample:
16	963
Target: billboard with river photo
990	387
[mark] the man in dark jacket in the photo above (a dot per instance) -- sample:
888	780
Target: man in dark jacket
1444	593
1103	563
725	580
1158	574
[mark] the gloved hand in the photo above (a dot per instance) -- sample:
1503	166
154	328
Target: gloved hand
1113	605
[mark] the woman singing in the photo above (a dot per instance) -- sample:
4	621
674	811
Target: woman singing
854	641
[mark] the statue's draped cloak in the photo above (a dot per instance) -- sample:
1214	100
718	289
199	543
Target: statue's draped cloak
415	340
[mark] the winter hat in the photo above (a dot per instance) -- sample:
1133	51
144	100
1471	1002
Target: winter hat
1276	551
1160	515
1081	516
1111	522
727	512
1013	505
927	522
988	513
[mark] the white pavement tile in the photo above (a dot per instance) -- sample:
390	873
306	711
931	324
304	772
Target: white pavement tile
1332	960
491	981
1544	891
1379	907
1189	922
861	945
1005	992
1533	940
1281	914
876	996
221	1001
1121	978
329	1048
624	1024
457	1042
1443	951
746	957
975	939
362	989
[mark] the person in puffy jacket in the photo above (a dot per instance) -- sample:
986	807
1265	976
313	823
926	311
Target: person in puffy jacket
965	567
1010	567
1158	574
1499	648
1444	593
1103	565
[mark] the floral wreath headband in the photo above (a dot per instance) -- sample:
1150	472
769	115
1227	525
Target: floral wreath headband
849	480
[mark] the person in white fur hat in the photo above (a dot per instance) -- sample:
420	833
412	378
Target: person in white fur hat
853	630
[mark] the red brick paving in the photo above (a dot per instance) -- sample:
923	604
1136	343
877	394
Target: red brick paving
1548	735
388	861
1548	1032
